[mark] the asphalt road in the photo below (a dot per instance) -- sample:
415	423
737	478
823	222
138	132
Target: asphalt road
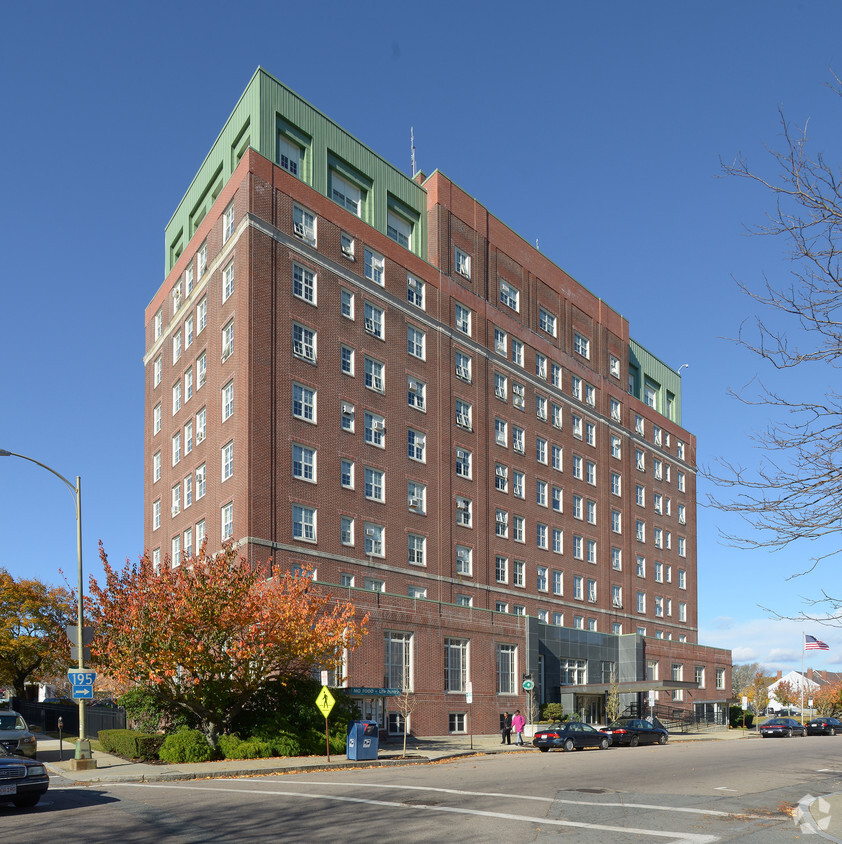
731	791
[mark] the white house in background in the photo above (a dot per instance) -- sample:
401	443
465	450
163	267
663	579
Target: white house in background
796	680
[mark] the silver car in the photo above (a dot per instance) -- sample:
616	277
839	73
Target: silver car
15	735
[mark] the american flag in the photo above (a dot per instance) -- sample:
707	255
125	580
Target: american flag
811	643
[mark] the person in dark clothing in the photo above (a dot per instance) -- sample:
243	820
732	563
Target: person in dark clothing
506	729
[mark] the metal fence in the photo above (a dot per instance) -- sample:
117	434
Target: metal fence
44	717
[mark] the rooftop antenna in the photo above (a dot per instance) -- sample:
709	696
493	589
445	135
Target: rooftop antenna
412	147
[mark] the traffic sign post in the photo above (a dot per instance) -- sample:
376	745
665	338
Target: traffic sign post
325	703
82	681
469	699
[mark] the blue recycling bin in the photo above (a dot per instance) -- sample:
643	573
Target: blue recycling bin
362	741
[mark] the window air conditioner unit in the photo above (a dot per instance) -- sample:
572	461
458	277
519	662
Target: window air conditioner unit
370	532
200	435
414	502
377	425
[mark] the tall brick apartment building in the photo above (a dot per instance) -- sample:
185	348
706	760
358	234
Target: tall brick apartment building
372	376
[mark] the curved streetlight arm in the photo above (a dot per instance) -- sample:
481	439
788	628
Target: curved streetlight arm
73	489
82	746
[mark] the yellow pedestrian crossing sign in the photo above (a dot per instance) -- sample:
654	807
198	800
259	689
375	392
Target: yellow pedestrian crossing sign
325	701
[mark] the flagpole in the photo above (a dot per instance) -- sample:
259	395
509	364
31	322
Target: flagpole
803	648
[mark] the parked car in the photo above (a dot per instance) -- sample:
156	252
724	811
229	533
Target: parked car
570	735
16	736
782	727
635	731
823	726
792	711
22	781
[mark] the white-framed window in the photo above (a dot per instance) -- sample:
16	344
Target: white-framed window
590	550
617	559
398	229
289	155
464	560
590	434
227	223
416	494
346	359
558	458
558	421
374	536
682	546
541	493
501	569
639	460
518	439
578	547
455	677
375	429
616	483
373	321
590	509
657	469
416	445
463	462
501	432
576	425
576	387
558	504
201	315
156	514
590	472
509	295
345	194
303	342
346	530
581	345
303	283
517	352
500	341
641	602
650	395
541	407
547	321
464	601
227	519
590	394
518	484
202	260
591	591
501	477
616	521
500	386
501	606
641	566
176	500
416	393
659	606
506	669
201	474
578	587
519	573
462	319
640	495
640	530
416	547
518	396
346	300
578	508
304	224
228	401
616	448
680	481
682	579
201	370
228	340
577	467
657	435
398	662
373	584
346	244
374	266
303	463
176	347
463	365
176	397
616	409
176	448
346	472
157	369
189	333
501	523
518	529
464	511
462	262
375	484
303	403
614	366
679	449
375	375
303	523
541	536
416	342
227	460
541	450
188	384
541	365
415	291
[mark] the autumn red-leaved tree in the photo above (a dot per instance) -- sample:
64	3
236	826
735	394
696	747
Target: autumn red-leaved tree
210	633
786	694
33	643
828	700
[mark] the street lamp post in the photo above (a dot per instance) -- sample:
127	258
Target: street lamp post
83	746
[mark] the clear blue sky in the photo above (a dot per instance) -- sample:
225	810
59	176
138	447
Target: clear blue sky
595	128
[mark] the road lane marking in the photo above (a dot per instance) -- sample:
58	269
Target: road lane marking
674	837
509	795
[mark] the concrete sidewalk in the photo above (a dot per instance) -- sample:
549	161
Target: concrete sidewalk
418	751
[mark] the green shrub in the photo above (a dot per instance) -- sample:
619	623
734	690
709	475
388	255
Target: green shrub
148	712
185	746
552	712
131	743
735	716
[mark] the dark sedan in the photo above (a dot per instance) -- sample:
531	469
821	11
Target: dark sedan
22	781
573	734
635	731
782	727
824	726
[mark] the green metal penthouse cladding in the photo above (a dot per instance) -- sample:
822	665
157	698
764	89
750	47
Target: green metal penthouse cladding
285	129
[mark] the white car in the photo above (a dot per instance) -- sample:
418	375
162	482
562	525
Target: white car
16	736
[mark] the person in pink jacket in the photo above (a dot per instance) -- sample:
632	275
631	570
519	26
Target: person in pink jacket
518	723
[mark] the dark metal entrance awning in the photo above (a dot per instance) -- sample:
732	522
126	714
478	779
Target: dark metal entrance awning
631	686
